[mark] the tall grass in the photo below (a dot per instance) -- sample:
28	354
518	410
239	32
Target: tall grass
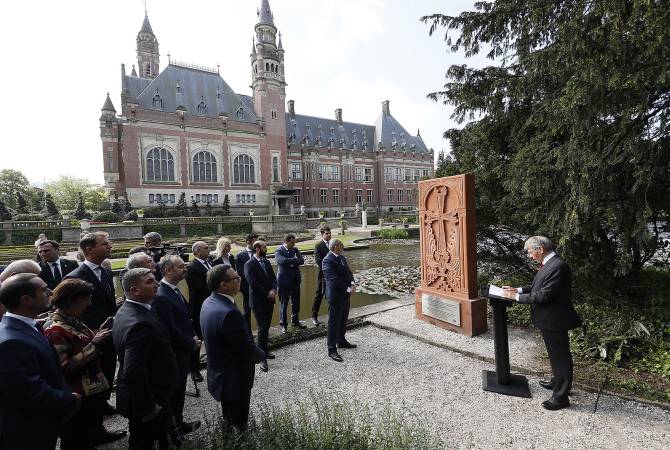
321	424
393	233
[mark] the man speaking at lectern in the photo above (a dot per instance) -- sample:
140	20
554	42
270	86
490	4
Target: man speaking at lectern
552	312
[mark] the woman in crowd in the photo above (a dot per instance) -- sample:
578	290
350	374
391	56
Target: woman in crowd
223	255
78	349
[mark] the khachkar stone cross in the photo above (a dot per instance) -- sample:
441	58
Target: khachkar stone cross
448	294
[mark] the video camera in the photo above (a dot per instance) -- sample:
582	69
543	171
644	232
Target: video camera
168	249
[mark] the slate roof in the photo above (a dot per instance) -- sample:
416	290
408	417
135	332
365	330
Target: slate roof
146	26
265	14
197	86
317	132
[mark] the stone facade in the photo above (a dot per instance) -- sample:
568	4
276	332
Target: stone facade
183	129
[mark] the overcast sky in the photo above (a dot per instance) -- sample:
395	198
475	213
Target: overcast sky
60	58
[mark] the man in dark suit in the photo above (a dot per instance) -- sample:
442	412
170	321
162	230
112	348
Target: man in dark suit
240	260
172	308
339	287
289	260
230	346
320	252
148	371
53	267
196	279
34	399
96	248
262	292
552	312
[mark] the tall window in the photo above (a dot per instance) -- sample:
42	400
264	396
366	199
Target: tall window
275	169
426	172
110	160
243	170
399	195
322	172
397	174
368	174
359	195
389	195
204	167
408	174
417	174
358	173
160	165
297	197
336	196
388	173
334	173
296	171
369	195
324	195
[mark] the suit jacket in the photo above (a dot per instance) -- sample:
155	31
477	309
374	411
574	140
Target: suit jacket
176	317
240	260
338	277
320	252
260	283
228	259
66	266
288	267
103	300
33	394
231	352
549	297
148	371
196	279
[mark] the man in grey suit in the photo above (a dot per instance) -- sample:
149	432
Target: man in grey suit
552	312
230	348
339	287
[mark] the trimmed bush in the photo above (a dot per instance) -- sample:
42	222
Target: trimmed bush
393	233
132	215
152	212
201	229
29	217
25	237
107	216
171	230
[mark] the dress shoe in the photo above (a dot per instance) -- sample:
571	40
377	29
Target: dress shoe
269	355
264	365
284	330
299	325
189	427
335	356
347	345
108	410
106	437
553	405
546	384
197	377
315	321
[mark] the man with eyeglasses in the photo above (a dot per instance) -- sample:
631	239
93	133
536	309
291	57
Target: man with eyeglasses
230	347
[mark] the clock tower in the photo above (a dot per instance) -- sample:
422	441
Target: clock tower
147	51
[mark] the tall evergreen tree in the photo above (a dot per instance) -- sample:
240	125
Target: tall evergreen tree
572	137
80	210
116	205
181	204
127	207
226	206
51	208
21	204
195	210
208	209
4	213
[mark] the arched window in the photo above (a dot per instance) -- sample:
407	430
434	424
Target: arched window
157	101
160	165
204	167
267	67
243	170
202	108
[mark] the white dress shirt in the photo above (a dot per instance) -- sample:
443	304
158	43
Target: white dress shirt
97	270
544	262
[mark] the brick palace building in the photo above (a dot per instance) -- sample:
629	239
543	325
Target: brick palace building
183	129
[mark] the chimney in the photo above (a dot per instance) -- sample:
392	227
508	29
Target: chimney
291	108
386	109
338	115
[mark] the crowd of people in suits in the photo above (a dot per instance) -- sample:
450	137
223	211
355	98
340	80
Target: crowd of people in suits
67	341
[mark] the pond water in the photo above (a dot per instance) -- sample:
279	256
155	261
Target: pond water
378	255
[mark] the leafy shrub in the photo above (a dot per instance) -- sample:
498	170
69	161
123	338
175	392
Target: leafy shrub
320	425
153	212
167	230
236	228
374	220
201	229
107	216
393	233
132	215
173	212
24	237
29	217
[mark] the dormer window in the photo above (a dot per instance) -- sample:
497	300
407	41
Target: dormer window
240	113
157	101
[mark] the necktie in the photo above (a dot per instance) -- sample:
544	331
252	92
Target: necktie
183	299
58	277
541	265
40	331
97	272
206	264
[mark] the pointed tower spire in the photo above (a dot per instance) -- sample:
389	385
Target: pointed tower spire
279	44
108	107
253	47
134	72
147	50
265	13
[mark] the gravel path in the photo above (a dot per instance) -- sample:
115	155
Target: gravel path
443	390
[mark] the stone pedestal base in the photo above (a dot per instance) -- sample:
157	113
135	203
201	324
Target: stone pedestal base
471	312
